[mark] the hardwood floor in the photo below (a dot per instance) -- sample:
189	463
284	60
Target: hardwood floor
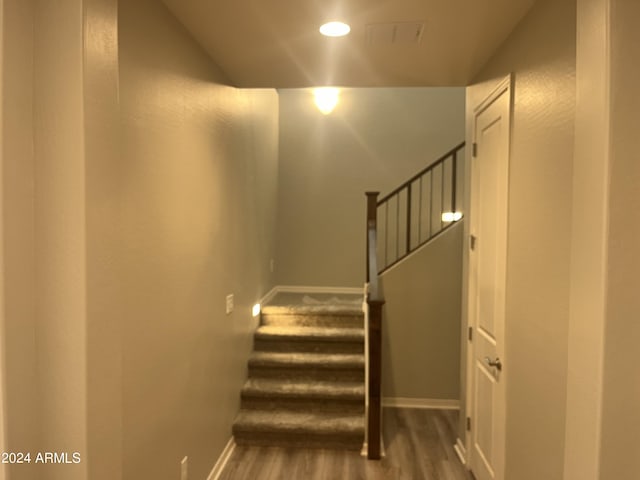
418	443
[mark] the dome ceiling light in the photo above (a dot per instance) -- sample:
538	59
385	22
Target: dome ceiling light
335	29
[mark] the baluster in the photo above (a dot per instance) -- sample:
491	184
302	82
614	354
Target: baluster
420	212
454	181
408	220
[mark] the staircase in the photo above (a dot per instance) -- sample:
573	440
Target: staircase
306	378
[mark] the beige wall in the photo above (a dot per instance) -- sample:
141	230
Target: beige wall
197	208
3	440
75	140
55	106
60	231
602	396
541	54
22	427
619	457
117	260
374	140
104	315
421	349
588	243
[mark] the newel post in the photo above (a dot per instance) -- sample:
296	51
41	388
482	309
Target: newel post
375	303
374	427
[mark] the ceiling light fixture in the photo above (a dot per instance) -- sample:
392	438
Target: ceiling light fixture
335	29
326	98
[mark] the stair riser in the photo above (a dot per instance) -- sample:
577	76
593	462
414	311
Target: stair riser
307	347
342	442
301	404
306	374
302	320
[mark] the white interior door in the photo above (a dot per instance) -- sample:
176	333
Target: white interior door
487	270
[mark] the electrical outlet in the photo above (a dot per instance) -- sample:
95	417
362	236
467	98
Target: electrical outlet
229	303
184	469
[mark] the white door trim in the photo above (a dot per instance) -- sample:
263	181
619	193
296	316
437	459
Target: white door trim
502	86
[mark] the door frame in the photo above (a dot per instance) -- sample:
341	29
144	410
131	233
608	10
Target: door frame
502	86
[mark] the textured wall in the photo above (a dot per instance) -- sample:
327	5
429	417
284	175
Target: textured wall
374	140
197	196
541	53
59	122
620	457
2	269
421	348
588	244
104	333
61	261
18	217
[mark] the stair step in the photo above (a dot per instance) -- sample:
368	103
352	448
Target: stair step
327	334
301	429
284	388
275	394
313	315
311	366
306	377
324	309
324	361
309	339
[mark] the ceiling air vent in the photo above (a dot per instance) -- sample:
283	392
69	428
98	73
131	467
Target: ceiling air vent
399	33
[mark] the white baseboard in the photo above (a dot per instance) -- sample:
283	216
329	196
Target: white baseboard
222	460
336	290
268	296
461	451
432	403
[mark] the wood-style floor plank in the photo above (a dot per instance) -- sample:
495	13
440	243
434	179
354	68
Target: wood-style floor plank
419	446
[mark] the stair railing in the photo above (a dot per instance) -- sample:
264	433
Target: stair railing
374	334
412	214
428	194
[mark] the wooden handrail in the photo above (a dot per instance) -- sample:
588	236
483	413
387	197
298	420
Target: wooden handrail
444	157
407	201
375	300
374	333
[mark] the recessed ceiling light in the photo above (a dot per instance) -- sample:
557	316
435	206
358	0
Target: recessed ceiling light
326	98
335	29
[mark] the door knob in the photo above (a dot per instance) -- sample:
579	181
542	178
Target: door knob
494	363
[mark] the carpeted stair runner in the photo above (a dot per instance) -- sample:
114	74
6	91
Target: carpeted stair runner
306	379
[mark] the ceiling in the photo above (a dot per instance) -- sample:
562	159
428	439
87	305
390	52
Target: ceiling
276	43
